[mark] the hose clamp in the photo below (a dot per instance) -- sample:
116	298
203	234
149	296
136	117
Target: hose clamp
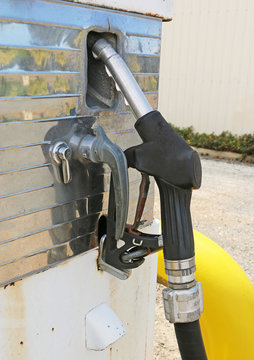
181	273
185	305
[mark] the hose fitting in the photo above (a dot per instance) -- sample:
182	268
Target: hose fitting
183	300
183	306
181	273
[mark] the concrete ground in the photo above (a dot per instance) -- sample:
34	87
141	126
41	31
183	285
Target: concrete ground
223	209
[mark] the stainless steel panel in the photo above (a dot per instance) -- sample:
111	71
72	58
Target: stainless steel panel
61	14
42	260
38	110
39	84
15	159
41	219
43	82
147	82
37	36
65	225
28	60
16	182
143	64
124	138
30	134
38	241
153	99
143	45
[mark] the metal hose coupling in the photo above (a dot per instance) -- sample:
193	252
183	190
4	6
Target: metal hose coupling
183	299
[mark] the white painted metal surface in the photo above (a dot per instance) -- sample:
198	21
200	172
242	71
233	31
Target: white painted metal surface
103	328
207	64
43	316
158	8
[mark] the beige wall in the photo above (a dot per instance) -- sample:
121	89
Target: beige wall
207	66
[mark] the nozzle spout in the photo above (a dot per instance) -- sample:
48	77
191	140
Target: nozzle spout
123	77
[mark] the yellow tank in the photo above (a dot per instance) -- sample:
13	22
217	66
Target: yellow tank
227	322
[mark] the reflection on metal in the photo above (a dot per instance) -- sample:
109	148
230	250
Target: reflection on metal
42	96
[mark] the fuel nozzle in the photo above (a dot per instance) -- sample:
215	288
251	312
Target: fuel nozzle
176	168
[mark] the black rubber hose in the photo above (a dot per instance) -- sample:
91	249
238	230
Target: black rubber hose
190	341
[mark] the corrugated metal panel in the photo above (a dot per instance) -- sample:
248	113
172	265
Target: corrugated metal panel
42	94
207	66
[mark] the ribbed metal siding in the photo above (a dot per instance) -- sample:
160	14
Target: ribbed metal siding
42	94
207	66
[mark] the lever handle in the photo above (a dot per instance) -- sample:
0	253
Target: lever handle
100	149
64	153
61	154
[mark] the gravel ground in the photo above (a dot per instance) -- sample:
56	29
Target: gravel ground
223	209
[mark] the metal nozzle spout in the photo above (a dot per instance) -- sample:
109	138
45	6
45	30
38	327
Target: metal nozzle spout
123	77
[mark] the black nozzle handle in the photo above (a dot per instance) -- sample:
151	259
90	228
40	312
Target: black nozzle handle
178	242
176	168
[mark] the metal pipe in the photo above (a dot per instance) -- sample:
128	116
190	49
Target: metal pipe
123	77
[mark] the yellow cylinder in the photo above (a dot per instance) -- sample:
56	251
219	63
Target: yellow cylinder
227	322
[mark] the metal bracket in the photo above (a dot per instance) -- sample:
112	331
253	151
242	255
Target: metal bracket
103	266
119	261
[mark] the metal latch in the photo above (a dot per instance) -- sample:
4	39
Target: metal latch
61	154
95	146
